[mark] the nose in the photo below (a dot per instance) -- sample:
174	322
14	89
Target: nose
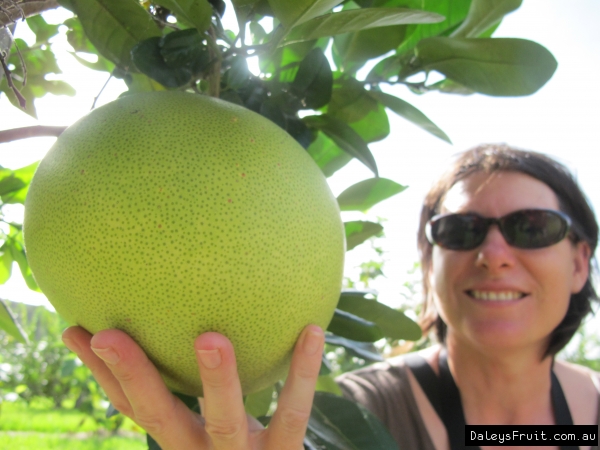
494	253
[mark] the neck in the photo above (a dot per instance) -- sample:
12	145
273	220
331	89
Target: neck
498	387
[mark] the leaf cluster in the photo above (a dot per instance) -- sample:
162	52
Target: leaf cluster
320	70
43	369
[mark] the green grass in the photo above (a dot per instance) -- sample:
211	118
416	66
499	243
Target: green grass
17	416
52	442
39	427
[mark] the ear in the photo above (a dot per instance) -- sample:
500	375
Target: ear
581	265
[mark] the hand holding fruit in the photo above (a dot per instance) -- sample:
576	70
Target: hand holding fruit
136	389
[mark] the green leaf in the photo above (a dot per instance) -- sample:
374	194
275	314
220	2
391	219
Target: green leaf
454	12
8	182
15	184
322	434
295	12
449	86
183	47
152	444
326	383
345	137
76	36
80	43
115	26
149	60
364	194
350	101
328	156
56	87
348	325
375	126
354	49
111	411
483	14
386	68
195	13
258	403
190	401
39	62
498	67
283	62
325	368
138	82
354	421
258	33
313	82
410	113
17	251
357	19
9	324
242	7
359	231
364	350
6	262
393	323
43	31
238	73
67	4
243	3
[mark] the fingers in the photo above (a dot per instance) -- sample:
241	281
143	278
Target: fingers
224	414
144	398
288	425
78	340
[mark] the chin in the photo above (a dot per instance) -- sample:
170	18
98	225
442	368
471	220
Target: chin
503	336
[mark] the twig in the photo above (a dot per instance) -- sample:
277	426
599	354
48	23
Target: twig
214	77
22	100
26	8
99	93
23	65
29	132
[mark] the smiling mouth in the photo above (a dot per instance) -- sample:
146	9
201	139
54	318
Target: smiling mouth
496	296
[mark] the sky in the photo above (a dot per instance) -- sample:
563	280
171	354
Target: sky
562	120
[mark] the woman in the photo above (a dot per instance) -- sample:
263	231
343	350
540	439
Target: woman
506	239
502	294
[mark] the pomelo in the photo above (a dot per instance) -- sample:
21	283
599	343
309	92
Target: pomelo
170	214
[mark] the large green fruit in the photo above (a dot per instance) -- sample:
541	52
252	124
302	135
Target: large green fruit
168	214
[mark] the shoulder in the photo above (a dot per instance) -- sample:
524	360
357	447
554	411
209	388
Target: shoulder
382	381
385	389
581	376
380	386
581	387
376	377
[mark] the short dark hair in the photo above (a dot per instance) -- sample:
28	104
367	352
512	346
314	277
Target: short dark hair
490	158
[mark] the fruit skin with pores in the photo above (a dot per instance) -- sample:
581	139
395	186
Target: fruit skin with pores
170	214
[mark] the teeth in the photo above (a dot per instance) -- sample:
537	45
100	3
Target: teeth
497	296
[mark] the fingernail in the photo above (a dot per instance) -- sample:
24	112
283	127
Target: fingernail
211	359
107	355
71	345
312	342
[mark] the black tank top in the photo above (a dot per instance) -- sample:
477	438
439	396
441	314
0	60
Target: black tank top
444	396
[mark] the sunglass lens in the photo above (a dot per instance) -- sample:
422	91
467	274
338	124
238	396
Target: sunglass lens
533	228
459	231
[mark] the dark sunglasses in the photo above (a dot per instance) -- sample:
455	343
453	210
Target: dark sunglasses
527	228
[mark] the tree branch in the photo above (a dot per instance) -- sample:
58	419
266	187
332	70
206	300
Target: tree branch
13	11
28	132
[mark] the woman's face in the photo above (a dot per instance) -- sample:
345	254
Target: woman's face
498	296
